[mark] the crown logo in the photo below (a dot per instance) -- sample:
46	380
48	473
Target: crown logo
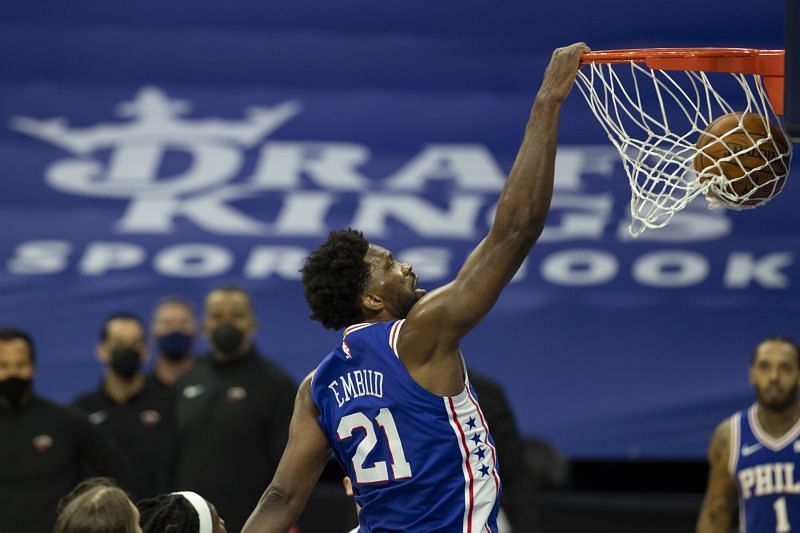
138	146
155	116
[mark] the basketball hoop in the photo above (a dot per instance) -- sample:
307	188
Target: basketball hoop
655	104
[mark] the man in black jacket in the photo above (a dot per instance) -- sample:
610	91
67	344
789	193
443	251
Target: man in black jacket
233	412
135	413
45	449
519	485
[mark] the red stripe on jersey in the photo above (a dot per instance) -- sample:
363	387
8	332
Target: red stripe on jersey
393	336
466	461
355	327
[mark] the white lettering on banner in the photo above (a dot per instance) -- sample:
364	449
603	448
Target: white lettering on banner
302	185
575	162
672	268
578	217
579	267
282	261
102	257
40	257
570	267
330	165
193	261
308	174
303	213
470	167
743	269
155	214
425	218
138	146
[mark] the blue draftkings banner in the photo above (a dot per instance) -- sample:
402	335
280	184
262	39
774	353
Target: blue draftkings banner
164	152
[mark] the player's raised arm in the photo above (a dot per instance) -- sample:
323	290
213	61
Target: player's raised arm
720	500
301	465
454	309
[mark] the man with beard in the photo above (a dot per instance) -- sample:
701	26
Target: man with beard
393	399
136	414
45	449
174	331
756	452
233	411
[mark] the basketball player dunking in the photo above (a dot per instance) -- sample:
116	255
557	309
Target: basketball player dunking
393	400
756	452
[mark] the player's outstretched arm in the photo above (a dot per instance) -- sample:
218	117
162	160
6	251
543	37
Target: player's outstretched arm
719	503
301	465
454	309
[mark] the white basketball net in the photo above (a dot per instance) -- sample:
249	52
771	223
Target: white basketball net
654	118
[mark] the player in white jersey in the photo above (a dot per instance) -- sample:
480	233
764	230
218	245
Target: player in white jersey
415	340
755	453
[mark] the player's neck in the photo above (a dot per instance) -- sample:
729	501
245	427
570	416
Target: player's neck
777	423
384	315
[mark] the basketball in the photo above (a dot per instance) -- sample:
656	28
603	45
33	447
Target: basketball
733	146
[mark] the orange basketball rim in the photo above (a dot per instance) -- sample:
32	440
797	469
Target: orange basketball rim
768	64
654	104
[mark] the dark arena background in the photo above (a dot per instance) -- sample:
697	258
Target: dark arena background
167	149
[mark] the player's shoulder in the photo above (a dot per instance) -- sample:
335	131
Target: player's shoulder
307	382
719	447
723	429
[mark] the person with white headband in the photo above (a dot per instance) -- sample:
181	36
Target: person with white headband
181	512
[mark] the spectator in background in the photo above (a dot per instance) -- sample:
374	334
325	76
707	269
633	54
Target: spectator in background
174	330
45	449
519	485
233	411
136	414
98	506
180	512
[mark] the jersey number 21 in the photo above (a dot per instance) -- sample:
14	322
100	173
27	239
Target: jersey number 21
378	472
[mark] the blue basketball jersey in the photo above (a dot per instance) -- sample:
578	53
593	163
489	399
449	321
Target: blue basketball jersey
418	462
767	475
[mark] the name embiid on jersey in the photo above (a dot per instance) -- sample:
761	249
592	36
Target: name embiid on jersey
418	462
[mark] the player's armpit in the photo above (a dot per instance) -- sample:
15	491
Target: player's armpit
719	503
301	465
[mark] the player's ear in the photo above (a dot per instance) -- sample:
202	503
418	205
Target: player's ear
372	301
751	375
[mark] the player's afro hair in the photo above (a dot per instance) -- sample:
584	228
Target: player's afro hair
168	513
334	277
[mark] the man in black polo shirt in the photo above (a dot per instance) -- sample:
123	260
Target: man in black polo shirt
136	414
233	412
45	449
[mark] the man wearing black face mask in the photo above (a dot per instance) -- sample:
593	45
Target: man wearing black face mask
174	330
135	413
233	411
45	449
